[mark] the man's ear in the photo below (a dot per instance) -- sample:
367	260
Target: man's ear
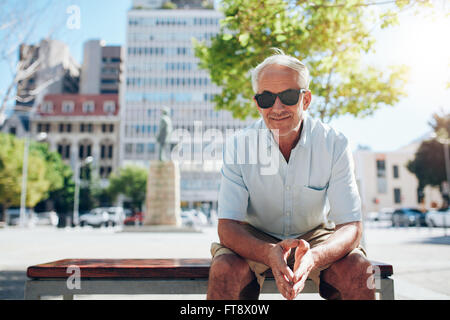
307	97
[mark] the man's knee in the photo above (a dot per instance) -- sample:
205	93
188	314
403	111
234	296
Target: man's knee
350	273
228	265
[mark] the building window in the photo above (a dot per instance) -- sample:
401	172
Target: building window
128	148
86	127
397	196
106	151
47	107
109	107
68	106
84	150
88	106
13	131
381	176
65	127
395	171
43	127
64	151
107	128
105	172
140	148
151	148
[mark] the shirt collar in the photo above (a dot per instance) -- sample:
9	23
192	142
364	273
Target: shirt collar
305	136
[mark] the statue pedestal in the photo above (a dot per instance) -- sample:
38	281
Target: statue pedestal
163	194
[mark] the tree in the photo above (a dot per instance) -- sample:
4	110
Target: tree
60	176
63	198
11	162
428	164
330	37
131	182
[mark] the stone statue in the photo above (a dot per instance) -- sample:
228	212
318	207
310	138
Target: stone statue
165	130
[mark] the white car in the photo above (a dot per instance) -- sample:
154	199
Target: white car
116	215
194	218
439	218
49	218
95	218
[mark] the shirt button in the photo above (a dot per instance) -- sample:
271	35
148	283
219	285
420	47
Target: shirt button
288	213
288	188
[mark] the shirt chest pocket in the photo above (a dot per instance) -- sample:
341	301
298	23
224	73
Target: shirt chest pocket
309	202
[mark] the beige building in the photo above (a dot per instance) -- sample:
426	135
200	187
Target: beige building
385	182
81	126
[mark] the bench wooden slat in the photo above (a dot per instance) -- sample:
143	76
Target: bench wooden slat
140	268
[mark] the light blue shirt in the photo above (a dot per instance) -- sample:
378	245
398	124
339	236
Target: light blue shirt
288	199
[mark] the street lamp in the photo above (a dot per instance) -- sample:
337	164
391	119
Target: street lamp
76	202
42	136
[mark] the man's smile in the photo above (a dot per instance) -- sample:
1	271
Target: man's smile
279	118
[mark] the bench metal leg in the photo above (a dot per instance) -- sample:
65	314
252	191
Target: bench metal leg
387	289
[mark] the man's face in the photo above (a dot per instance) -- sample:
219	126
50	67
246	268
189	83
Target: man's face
282	119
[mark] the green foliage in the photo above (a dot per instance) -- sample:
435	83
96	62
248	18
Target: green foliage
130	181
11	159
329	37
168	5
428	164
63	198
54	165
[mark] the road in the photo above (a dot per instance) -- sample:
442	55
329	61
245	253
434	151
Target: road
420	256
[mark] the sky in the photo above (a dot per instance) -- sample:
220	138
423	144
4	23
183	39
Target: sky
418	42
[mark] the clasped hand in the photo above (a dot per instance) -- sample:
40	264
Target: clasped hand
291	282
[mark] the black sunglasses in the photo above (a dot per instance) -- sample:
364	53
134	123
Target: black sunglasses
289	97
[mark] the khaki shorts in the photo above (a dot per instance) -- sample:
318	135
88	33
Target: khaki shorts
313	237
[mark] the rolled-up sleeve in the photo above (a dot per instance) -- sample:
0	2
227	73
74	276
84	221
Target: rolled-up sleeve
343	195
233	194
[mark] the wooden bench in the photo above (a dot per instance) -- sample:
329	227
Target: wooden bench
147	276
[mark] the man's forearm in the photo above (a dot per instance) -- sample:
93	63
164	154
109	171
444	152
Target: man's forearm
341	242
233	235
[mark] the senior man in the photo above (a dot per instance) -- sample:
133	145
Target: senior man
282	221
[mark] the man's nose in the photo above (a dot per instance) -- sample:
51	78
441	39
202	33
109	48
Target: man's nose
278	104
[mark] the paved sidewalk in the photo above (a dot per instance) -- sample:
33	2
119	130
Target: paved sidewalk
421	257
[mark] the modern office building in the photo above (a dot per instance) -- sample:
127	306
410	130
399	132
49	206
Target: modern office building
102	68
161	71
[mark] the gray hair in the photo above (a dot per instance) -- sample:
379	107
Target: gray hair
282	59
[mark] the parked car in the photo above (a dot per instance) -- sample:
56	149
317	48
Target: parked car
187	219
385	214
133	218
408	217
96	218
194	218
116	215
13	216
49	218
438	218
